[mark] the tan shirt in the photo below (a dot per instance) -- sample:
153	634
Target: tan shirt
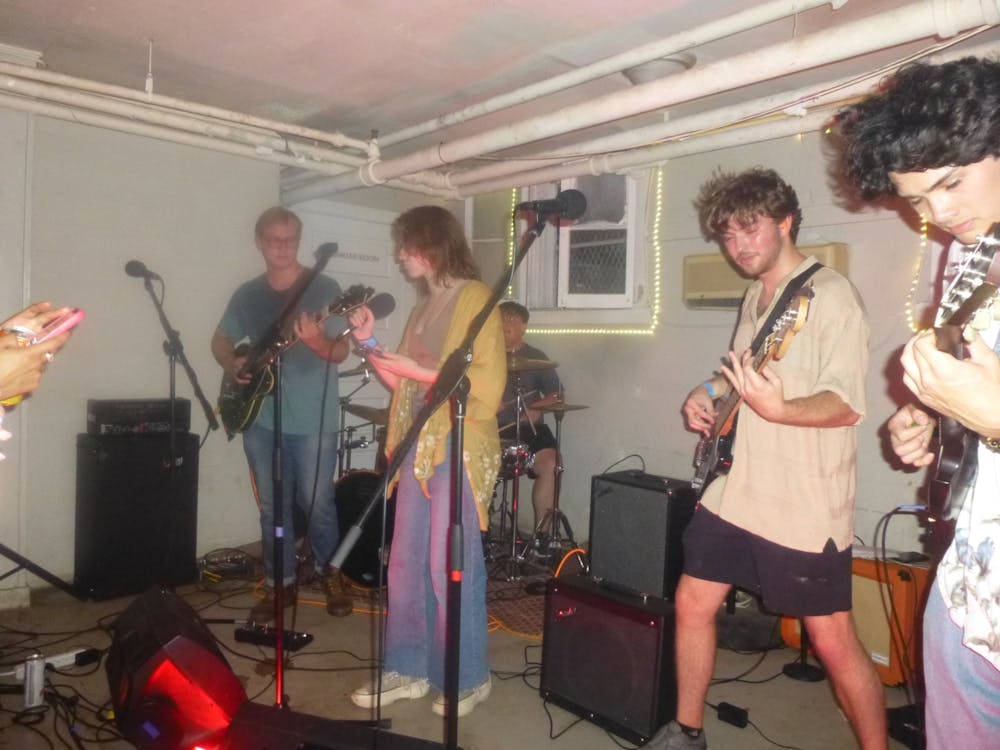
795	486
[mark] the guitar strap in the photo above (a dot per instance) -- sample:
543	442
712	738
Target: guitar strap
779	307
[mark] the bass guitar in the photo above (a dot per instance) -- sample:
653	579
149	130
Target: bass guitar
240	402
974	285
714	454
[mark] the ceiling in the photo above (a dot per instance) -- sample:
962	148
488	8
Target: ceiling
308	83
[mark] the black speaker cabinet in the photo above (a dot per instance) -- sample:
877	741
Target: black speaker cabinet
636	521
609	657
136	520
171	687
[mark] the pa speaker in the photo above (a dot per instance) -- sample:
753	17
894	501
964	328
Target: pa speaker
636	521
136	517
170	685
609	657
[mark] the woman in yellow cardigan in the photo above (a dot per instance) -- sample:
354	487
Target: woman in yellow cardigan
432	251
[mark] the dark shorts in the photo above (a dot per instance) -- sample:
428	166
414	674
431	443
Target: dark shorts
788	581
538	440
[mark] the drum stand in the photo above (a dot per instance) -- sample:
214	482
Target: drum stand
515	560
554	519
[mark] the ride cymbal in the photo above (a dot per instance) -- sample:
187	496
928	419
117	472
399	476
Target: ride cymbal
523	364
560	407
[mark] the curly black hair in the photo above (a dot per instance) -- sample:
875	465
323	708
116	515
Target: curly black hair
923	117
745	196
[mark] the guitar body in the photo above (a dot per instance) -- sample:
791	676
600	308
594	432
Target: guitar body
713	456
239	403
957	463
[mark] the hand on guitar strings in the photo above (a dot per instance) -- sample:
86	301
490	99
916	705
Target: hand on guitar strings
763	390
699	411
910	431
963	389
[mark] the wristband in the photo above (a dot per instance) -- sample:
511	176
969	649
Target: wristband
369	343
707	385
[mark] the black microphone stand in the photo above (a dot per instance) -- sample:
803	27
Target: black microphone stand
451	383
174	350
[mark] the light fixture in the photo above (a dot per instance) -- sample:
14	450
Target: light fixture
661	67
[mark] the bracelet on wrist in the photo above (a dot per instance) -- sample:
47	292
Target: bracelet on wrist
369	343
707	385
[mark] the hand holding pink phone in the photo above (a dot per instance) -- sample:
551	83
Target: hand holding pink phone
60	325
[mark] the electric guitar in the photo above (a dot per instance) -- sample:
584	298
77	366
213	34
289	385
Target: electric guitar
957	464
239	403
714	454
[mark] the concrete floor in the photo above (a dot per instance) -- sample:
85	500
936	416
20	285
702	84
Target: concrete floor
318	682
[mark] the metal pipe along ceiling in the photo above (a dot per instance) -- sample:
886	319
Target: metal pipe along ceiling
918	20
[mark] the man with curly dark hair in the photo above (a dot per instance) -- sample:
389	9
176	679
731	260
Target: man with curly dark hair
931	135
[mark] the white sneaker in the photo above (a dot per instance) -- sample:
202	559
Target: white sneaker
395	687
467	699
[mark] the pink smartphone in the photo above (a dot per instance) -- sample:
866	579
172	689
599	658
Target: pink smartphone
60	325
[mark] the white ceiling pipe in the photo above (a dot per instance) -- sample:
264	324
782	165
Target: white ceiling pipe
110	122
708	32
646	157
914	21
805	97
531	172
13	84
336	139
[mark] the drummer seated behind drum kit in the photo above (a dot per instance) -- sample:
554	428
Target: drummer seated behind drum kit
528	447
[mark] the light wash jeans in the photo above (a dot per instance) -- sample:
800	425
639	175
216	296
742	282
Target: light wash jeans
299	475
418	582
963	689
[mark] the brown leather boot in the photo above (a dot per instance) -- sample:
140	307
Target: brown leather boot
339	603
263	611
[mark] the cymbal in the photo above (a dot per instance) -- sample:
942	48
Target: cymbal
560	407
523	364
369	413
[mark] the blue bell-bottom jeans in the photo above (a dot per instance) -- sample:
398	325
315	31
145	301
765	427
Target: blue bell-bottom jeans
299	474
418	582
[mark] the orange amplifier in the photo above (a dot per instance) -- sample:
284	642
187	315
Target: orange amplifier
888	604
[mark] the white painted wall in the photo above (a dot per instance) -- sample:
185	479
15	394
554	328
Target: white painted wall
77	203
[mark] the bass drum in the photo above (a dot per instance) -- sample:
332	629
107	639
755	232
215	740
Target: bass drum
353	492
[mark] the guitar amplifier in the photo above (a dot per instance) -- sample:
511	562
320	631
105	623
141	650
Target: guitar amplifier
136	416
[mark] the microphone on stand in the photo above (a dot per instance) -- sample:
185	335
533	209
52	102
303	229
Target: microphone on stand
138	269
569	204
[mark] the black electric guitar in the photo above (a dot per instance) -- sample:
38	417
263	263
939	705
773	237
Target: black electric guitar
714	454
239	403
975	284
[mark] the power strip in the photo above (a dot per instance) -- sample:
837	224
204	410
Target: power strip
58	661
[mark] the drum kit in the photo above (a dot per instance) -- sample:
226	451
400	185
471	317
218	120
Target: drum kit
517	460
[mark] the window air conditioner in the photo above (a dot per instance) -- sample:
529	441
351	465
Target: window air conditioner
710	281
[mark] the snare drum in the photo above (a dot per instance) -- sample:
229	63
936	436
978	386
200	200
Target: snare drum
353	492
515	459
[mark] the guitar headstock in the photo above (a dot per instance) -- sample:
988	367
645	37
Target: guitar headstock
355	296
975	282
789	322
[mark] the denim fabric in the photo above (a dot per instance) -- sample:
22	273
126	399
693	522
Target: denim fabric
962	687
299	474
418	582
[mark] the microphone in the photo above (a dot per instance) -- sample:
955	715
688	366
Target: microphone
381	305
326	251
570	204
138	269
